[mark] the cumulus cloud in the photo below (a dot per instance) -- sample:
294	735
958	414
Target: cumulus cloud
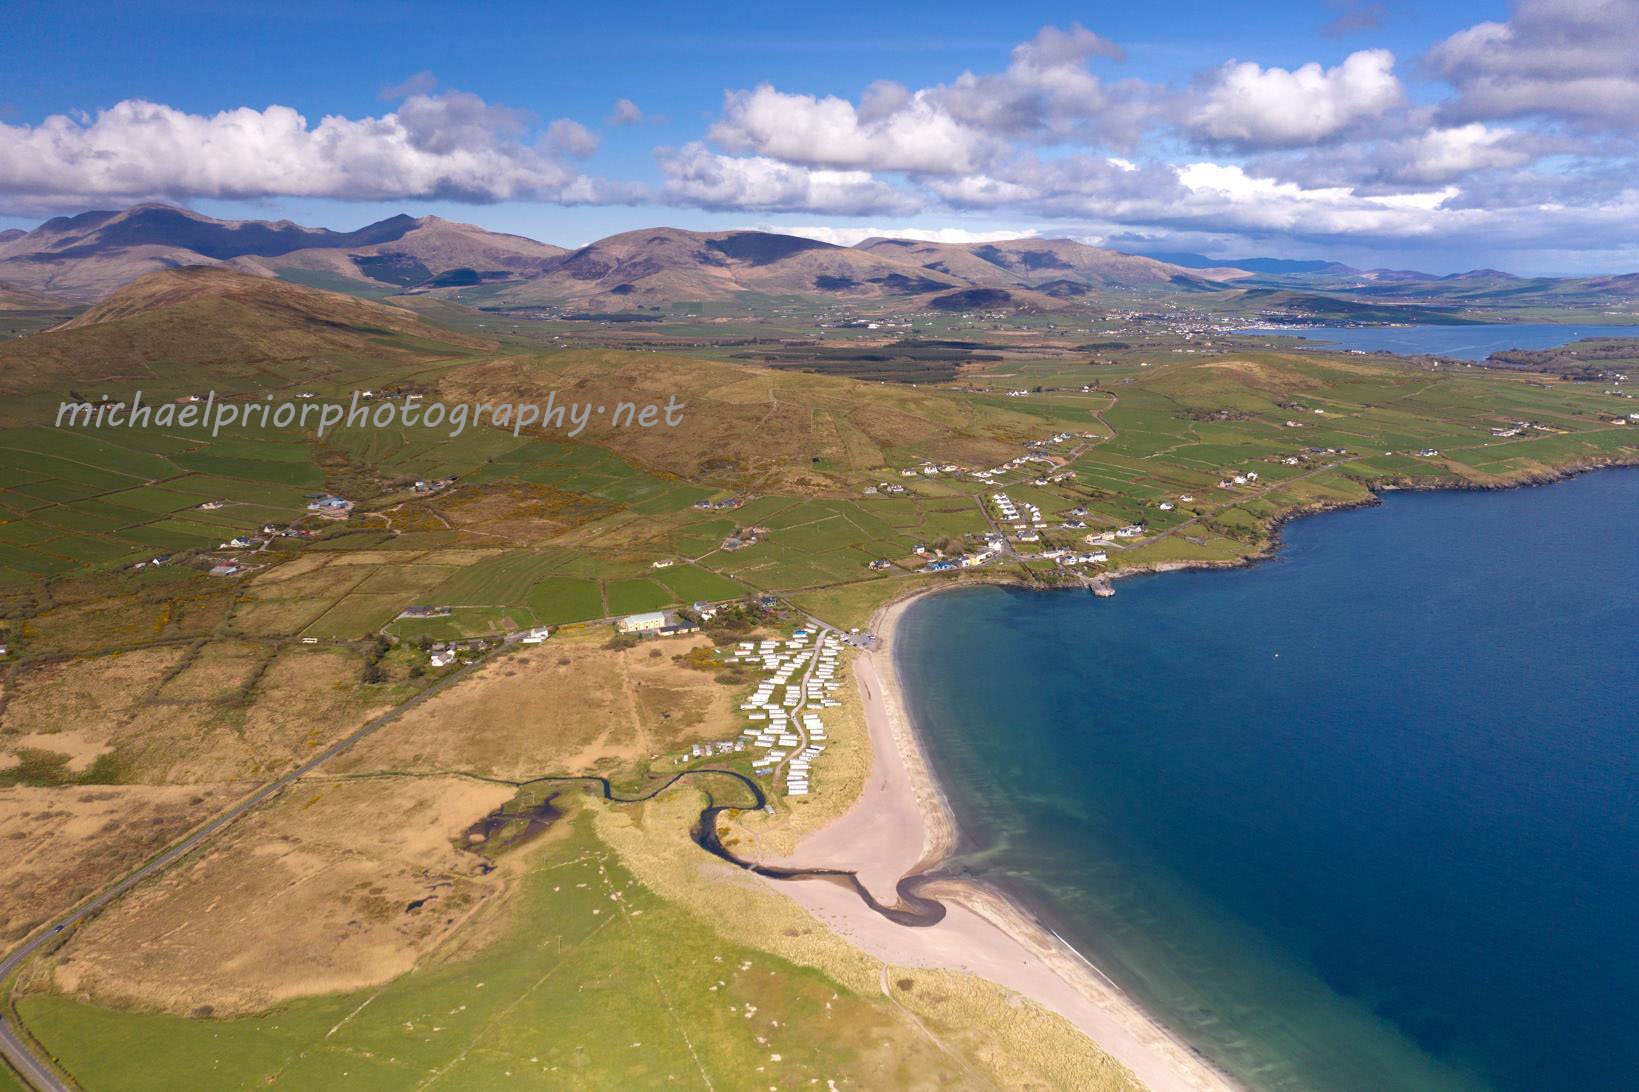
572	138
1425	154
1203	196
1565	59
1249	106
1444	155
698	177
892	130
1534	145
850	236
1075	185
627	112
421	83
451	145
1047	94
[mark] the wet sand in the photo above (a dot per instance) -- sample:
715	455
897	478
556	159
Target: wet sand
902	824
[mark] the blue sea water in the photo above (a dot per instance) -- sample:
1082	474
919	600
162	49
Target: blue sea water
1365	816
1460	342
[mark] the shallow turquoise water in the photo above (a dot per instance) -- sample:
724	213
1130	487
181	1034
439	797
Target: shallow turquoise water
1365	816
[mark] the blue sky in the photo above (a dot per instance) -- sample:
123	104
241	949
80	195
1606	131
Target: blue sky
1441	136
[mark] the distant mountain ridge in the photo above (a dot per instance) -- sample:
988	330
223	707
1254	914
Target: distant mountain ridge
163	225
85	257
1250	265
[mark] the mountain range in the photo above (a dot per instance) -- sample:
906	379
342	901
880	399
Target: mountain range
83	258
80	259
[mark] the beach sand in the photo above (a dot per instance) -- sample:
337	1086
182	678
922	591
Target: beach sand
900	824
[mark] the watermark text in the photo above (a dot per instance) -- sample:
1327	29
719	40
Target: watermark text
365	410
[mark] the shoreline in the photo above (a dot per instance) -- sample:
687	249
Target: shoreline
902	824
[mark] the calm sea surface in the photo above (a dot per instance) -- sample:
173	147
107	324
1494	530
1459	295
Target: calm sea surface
1362	817
1460	342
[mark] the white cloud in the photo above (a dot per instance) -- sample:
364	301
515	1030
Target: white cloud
1047	94
1227	194
572	138
1441	155
1312	154
850	236
421	83
1254	107
1207	196
627	112
451	145
698	177
892	131
1568	59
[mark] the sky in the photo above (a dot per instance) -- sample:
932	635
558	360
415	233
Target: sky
1437	136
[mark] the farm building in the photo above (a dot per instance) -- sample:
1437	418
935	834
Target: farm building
650	622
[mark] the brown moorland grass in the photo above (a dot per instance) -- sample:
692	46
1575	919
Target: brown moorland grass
286	606
223	326
302	700
87	693
569	706
741	422
519	513
219	670
79	750
222	711
113	623
335	886
62	844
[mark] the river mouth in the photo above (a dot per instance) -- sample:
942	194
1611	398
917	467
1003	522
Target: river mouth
534	811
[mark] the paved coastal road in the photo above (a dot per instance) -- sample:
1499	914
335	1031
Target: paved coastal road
23	1054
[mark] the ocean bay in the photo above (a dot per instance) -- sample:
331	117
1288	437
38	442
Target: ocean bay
1472	341
1358	817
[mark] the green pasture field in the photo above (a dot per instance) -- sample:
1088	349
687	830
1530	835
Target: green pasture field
637	596
556	600
599	983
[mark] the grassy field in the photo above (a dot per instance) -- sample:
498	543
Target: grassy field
591	981
147	696
539	530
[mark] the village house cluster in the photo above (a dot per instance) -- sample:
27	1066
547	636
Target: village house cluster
1026	524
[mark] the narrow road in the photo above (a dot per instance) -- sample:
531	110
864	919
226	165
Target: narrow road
23	1053
822	630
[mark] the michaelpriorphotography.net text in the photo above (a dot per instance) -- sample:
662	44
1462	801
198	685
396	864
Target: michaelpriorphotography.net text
365	410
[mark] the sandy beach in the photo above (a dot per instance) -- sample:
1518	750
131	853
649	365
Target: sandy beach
900	824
